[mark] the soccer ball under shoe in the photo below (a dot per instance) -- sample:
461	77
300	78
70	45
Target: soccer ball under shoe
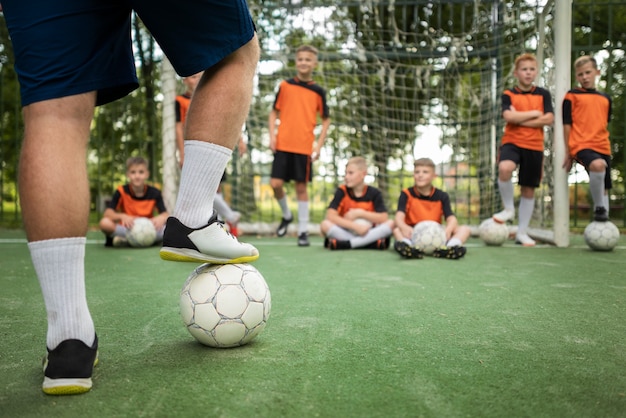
428	236
492	232
225	305
142	234
601	236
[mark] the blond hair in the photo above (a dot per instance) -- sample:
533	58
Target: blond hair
525	57
359	162
136	161
580	61
307	48
421	162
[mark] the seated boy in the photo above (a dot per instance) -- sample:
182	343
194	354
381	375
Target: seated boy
357	216
424	202
133	200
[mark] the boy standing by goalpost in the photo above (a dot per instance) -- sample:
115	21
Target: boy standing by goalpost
526	109
298	102
586	113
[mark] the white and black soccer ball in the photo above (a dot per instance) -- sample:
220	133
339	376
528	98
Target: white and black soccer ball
601	236
362	221
225	305
428	236
492	232
142	234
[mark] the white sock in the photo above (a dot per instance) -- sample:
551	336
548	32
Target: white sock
60	268
222	208
605	200
284	208
526	208
454	242
303	216
373	235
201	175
596	187
506	193
339	233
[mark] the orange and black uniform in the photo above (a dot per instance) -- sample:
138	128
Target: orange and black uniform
588	112
536	98
125	201
418	207
182	106
344	200
299	103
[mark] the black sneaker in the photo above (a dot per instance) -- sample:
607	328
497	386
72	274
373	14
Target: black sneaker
208	244
407	251
600	214
335	244
453	253
67	369
303	240
282	228
381	244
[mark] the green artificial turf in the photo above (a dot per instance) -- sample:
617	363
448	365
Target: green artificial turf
505	332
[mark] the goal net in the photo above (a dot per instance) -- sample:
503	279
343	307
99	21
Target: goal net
404	79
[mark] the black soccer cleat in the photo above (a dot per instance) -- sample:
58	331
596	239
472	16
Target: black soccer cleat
335	244
282	228
381	244
303	240
452	253
600	214
407	251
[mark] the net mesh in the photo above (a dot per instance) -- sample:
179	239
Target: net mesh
403	80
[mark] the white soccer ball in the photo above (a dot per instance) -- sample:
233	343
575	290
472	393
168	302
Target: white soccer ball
225	305
601	236
492	232
428	236
362	221
142	234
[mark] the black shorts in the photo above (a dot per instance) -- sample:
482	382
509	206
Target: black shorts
586	156
290	166
530	164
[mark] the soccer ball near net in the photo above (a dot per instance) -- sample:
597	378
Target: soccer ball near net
142	234
225	305
492	232
428	236
601	236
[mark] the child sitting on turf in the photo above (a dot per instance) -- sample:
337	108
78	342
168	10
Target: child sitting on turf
133	200
357	216
424	202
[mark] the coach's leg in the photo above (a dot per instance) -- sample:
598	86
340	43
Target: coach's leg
54	195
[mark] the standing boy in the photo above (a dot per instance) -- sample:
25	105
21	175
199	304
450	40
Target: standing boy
298	102
526	109
357	216
424	202
135	199
586	113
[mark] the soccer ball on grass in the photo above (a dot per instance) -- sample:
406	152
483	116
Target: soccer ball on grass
601	236
428	236
492	232
225	305
142	234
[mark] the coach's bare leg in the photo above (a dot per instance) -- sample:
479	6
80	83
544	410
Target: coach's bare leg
53	183
222	98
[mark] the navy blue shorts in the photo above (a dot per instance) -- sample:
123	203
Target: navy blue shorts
530	164
68	47
586	156
289	166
